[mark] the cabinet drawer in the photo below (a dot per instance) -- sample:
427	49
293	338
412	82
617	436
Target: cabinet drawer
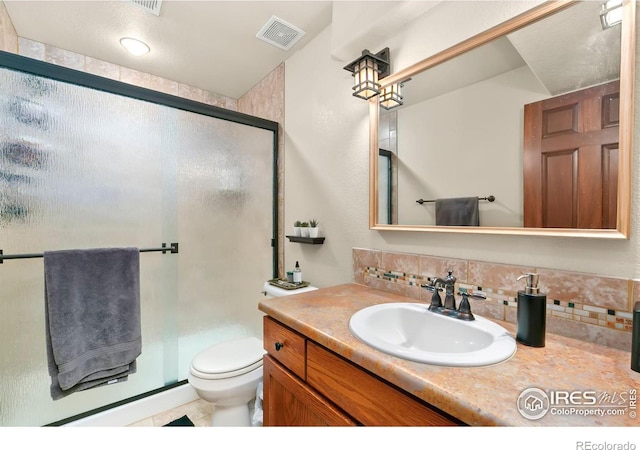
367	398
285	345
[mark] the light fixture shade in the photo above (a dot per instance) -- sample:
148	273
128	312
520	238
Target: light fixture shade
134	46
365	79
367	71
611	13
391	96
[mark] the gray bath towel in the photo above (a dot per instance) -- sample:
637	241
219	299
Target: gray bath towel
462	211
92	302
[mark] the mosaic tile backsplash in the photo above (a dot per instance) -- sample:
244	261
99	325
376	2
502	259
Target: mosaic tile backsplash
584	306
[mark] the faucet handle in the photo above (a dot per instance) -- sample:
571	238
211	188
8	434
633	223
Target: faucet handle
464	310
431	287
476	295
436	300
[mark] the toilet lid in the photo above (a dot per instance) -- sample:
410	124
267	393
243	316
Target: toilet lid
228	359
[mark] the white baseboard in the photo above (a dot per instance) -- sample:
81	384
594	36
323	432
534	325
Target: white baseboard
140	409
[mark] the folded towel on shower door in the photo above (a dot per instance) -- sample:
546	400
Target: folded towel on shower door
92	300
462	211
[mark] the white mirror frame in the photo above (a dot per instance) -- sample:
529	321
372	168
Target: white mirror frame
627	98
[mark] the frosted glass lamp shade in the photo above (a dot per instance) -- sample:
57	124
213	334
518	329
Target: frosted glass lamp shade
391	96
367	70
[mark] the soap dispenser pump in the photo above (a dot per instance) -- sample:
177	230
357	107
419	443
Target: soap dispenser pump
532	313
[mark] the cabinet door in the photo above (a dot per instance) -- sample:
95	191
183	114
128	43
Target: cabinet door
289	402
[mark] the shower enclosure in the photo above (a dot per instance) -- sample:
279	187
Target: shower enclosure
87	162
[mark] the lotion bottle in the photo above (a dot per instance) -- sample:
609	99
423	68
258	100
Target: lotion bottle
532	313
297	274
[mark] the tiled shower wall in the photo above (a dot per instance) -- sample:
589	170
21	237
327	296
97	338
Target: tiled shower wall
584	306
8	36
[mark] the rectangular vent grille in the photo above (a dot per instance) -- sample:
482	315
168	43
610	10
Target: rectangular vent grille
280	33
152	6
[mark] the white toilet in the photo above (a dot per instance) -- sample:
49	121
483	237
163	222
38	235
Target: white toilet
228	374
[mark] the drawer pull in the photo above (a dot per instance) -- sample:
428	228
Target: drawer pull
278	346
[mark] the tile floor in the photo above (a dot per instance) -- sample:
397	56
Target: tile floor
199	411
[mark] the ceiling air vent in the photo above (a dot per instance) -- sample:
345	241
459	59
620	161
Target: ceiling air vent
280	33
152	6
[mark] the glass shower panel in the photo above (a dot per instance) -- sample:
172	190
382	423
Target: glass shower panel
225	193
80	168
83	168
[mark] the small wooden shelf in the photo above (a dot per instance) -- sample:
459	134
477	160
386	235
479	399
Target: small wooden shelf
306	240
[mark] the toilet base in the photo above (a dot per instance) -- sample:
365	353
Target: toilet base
231	416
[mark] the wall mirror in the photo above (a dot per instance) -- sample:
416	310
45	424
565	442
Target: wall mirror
534	114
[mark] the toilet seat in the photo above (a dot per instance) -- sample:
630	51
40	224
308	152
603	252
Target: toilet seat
228	359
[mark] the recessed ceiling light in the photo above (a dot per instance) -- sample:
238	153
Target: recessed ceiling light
134	46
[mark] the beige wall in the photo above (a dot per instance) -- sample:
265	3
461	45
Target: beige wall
327	166
463	150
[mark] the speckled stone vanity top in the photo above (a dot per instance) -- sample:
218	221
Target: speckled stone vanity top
476	395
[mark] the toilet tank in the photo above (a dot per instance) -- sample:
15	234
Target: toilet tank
271	291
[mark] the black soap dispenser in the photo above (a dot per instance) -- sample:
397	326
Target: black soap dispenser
635	339
532	313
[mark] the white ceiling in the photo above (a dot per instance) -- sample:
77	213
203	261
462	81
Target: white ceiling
570	50
211	45
563	58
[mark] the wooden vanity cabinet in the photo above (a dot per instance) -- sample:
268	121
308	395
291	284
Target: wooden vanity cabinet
306	384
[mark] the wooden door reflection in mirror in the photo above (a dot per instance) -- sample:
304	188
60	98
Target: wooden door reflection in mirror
571	159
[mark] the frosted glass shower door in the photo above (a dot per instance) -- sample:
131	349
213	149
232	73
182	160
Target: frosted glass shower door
80	168
85	168
225	192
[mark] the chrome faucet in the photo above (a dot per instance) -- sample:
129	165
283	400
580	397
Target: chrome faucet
463	312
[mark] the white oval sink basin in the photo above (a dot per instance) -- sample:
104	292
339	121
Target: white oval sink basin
410	331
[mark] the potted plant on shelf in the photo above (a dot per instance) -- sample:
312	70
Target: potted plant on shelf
304	229
313	228
296	228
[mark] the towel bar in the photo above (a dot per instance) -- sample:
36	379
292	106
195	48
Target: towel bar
489	198
173	248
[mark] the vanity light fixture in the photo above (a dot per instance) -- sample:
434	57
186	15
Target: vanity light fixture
611	13
367	71
391	96
134	46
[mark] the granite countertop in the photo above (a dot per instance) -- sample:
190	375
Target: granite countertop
474	395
